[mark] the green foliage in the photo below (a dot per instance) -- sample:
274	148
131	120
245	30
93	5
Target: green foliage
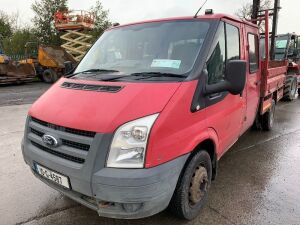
5	26
15	45
102	21
43	20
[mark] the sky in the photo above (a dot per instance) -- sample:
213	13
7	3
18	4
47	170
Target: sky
126	11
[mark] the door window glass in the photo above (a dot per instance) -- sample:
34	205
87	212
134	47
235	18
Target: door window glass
233	42
216	62
253	52
226	47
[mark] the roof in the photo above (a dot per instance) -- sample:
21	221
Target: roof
208	17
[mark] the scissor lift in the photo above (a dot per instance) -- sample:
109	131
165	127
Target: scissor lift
74	24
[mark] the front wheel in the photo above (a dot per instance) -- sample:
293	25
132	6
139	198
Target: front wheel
192	188
49	76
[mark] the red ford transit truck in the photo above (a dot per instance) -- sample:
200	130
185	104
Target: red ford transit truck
142	123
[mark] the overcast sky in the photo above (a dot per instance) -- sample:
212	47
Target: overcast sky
124	11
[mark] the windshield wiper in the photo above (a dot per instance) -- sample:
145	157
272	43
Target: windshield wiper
145	75
95	71
100	71
157	74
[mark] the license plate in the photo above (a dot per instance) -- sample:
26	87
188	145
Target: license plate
53	176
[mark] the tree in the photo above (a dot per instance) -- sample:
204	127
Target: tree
43	20
101	19
5	26
15	45
245	12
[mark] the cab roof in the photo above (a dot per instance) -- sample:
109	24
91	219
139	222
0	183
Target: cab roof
218	16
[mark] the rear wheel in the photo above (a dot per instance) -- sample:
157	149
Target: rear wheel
290	88
49	76
268	118
192	188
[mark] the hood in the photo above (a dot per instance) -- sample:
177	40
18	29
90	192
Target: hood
101	112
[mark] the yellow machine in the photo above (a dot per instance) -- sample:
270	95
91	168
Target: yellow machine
48	61
15	72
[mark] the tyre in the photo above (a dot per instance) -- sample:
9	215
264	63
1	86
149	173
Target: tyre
49	76
299	92
257	123
192	189
268	118
290	88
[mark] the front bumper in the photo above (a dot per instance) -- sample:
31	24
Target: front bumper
114	193
129	194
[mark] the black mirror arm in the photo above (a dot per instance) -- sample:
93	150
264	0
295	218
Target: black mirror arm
216	88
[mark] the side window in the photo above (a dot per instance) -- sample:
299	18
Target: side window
217	59
253	52
233	42
226	47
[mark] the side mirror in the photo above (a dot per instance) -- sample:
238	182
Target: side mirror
235	79
69	67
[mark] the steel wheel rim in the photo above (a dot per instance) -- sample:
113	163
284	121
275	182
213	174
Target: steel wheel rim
198	185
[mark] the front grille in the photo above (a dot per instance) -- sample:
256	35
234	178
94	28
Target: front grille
74	145
59	154
90	87
36	132
71	144
64	129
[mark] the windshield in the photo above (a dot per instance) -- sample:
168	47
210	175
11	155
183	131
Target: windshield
158	47
281	45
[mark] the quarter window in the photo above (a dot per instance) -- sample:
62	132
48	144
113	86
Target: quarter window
253	52
226	47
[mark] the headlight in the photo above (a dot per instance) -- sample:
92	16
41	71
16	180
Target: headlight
129	144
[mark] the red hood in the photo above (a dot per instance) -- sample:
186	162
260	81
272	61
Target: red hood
99	111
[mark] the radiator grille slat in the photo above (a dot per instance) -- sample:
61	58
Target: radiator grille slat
64	129
59	154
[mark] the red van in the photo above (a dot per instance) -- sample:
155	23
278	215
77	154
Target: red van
149	112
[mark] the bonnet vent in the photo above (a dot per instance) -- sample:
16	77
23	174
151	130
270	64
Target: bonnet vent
89	87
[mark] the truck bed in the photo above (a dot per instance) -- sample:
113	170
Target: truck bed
272	82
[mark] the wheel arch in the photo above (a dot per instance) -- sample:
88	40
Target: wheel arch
210	145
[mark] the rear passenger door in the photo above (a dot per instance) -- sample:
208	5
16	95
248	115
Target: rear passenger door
253	76
225	111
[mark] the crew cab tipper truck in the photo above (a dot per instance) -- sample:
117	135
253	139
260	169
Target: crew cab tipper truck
149	112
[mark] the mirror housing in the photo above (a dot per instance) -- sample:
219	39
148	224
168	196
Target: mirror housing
235	79
69	67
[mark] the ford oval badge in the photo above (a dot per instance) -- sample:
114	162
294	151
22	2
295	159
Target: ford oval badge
50	140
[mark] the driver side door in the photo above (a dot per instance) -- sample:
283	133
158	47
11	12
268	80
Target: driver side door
225	112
